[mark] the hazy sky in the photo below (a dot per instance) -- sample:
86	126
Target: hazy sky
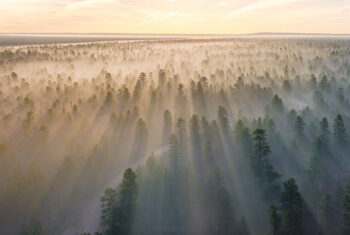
175	16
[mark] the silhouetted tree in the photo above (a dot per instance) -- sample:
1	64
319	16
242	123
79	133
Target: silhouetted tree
346	213
286	86
167	124
277	104
275	221
299	126
118	205
339	131
260	162
327	214
291	206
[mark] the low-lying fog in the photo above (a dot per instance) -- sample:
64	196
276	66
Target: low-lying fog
213	129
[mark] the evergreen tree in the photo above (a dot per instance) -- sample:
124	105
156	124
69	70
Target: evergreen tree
320	148
195	138
261	150
291	205
219	204
141	138
346	213
275	221
277	104
108	208
317	98
167	124
242	227
286	86
174	151
313	82
324	130
118	205
260	162
243	138
324	85
299	126
223	119
34	228
314	171
340	136
327	215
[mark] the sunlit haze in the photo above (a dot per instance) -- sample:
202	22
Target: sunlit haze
174	117
175	16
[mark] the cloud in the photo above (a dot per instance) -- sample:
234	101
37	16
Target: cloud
263	4
159	16
173	16
222	4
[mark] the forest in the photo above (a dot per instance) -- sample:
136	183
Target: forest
242	136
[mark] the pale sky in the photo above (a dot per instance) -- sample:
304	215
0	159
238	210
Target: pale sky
175	16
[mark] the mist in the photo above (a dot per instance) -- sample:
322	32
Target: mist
207	135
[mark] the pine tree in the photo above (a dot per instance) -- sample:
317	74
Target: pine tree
261	150
286	86
174	151
299	126
314	171
242	227
291	117
275	221
260	162
317	98
291	205
324	85
346	213
243	138
167	124
223	119
340	136
313	82
141	138
277	104
324	130
340	96
326	214
118	205
34	228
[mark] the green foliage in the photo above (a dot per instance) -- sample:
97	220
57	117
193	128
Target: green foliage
315	171
174	151
339	131
291	117
34	228
242	227
327	214
243	138
259	159
277	104
324	130
324	85
275	221
108	207
141	132
317	98
223	118
286	86
346	213
218	201
299	126
167	124
291	206
118	205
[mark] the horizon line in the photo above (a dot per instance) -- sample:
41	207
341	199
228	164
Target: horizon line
183	34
